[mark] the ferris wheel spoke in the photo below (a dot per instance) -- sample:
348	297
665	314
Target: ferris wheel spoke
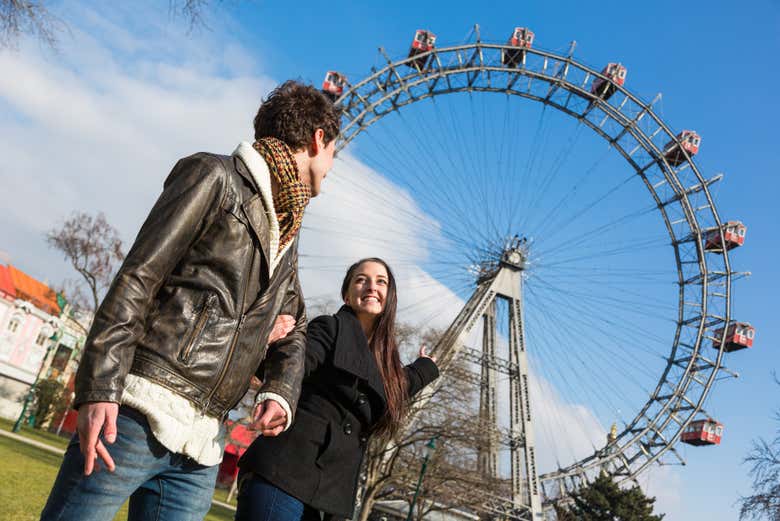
547	178
557	227
612	335
586	236
454	197
559	334
589	286
540	350
430	193
596	385
433	194
559	423
547	220
588	309
651	244
617	307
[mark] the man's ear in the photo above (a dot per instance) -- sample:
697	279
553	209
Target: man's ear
318	141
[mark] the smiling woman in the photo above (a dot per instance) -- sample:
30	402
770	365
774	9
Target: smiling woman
354	387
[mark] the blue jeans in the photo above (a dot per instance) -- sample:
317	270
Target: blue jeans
259	500
161	485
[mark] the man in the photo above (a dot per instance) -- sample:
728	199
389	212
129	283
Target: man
186	322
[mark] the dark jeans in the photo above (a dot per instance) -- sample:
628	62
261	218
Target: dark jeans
258	500
161	485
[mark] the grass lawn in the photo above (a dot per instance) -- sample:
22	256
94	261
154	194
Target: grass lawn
28	474
49	438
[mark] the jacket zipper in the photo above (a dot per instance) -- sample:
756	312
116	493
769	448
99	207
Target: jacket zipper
199	325
233	342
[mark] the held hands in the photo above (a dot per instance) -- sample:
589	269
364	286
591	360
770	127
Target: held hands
269	418
423	354
93	417
283	325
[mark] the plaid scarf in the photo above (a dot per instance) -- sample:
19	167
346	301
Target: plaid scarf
293	195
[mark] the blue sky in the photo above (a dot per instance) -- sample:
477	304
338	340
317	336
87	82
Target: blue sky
97	126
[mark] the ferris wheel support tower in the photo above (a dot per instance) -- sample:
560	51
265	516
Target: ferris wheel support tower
508	284
502	280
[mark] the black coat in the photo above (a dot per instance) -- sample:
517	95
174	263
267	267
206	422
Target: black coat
318	459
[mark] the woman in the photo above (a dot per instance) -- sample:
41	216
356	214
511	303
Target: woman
354	386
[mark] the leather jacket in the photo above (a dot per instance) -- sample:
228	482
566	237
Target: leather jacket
193	304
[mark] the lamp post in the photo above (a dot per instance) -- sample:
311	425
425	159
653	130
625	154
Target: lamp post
428	451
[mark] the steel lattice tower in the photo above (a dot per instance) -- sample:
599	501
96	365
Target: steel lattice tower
500	279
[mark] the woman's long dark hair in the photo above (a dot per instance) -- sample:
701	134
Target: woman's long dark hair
385	348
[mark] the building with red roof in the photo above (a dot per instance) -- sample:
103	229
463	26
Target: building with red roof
32	327
7	288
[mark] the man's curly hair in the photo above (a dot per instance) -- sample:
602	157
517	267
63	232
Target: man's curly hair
293	111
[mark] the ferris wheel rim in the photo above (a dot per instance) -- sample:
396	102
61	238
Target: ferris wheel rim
396	85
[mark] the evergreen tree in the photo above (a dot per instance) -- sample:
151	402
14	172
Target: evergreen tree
603	500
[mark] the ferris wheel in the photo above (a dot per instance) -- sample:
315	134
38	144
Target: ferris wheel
597	293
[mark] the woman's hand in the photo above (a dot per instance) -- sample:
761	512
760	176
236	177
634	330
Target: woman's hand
283	325
423	354
269	418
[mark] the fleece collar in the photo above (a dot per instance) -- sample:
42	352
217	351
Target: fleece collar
262	176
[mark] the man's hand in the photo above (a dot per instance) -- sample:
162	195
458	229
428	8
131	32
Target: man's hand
283	325
93	417
269	418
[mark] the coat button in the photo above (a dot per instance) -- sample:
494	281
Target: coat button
363	439
361	399
347	428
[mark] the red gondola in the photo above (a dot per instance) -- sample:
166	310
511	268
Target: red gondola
615	75
733	233
690	142
739	335
333	85
423	42
522	38
702	432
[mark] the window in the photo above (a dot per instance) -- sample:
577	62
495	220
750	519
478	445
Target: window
61	357
13	325
41	338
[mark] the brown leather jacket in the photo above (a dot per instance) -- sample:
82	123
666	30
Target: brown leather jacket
193	304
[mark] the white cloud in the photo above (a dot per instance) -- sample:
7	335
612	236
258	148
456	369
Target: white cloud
98	126
362	214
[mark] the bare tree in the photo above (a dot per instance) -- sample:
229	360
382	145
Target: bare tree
192	11
93	248
452	480
33	18
18	17
764	459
